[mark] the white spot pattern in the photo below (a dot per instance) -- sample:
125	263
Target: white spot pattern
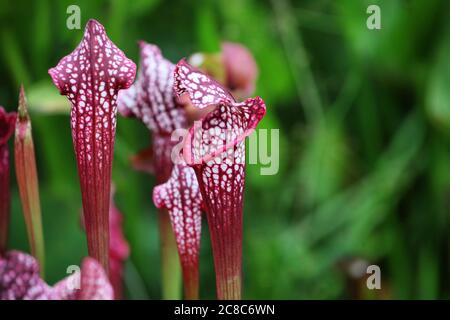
162	161
91	77
151	98
216	150
203	90
19	279
94	282
180	195
221	130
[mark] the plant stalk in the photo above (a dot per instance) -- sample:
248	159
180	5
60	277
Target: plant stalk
191	290
170	263
227	252
27	180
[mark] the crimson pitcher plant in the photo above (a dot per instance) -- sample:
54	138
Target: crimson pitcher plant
151	100
91	77
181	197
215	148
19	272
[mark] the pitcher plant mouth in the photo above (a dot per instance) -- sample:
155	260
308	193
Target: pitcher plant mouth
215	148
91	77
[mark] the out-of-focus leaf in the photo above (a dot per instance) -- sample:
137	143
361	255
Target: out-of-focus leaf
369	124
428	273
324	164
41	36
45	99
291	39
206	27
134	283
438	92
13	58
342	224
365	204
439	181
140	7
405	28
253	25
400	264
117	18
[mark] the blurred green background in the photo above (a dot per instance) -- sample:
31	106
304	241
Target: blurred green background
364	119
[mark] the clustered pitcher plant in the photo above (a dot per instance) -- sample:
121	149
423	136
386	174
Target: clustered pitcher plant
201	170
21	274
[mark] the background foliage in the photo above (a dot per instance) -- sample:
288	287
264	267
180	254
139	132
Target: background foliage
364	119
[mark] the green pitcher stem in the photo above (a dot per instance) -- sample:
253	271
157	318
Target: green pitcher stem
170	263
